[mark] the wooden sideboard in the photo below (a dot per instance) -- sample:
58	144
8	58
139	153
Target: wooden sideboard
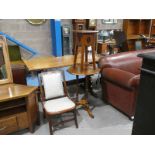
18	108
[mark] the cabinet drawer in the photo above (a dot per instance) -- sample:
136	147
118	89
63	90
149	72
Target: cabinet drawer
8	125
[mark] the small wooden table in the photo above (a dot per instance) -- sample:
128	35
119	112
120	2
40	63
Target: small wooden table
18	108
104	47
87	40
87	73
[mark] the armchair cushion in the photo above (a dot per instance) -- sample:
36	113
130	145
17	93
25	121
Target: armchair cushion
120	77
56	106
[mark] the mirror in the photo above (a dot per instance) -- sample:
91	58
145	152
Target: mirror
5	67
2	65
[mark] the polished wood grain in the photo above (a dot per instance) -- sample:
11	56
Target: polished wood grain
85	31
47	62
85	39
86	70
8	125
19	62
14	91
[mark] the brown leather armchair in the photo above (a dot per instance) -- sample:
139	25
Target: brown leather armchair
120	79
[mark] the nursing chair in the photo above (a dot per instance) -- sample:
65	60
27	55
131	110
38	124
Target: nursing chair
54	98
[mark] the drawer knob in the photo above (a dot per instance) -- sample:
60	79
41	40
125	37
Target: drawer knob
3	128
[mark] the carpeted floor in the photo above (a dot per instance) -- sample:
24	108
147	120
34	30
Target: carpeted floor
107	121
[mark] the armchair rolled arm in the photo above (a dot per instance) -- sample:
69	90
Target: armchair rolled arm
103	63
134	82
120	77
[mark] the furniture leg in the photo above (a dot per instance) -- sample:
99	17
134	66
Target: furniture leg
86	96
86	55
50	126
75	56
93	56
86	106
38	118
44	114
91	87
75	118
31	128
77	86
82	58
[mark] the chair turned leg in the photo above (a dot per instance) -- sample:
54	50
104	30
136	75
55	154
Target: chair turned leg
75	118
50	127
44	116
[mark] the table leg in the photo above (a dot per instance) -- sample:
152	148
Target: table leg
91	88
77	88
84	102
86	97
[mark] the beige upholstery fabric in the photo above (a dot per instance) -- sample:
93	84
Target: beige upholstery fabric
53	84
58	105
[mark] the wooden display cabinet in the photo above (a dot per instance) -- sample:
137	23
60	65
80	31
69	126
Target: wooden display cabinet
134	29
145	27
18	103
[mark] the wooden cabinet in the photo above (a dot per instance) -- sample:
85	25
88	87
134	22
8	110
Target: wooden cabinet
19	110
152	28
79	24
102	48
134	29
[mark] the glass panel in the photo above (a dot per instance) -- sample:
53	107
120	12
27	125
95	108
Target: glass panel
2	65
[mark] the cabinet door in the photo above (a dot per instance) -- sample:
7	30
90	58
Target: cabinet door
22	120
32	110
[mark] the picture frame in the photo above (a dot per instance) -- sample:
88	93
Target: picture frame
109	21
36	21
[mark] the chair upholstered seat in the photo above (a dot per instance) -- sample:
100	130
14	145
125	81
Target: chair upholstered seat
59	105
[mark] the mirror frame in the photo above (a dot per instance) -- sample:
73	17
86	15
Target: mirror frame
36	21
9	78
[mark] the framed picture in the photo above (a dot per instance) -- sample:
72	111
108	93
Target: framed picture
36	21
109	21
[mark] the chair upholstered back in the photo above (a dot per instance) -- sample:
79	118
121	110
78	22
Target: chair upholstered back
53	84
